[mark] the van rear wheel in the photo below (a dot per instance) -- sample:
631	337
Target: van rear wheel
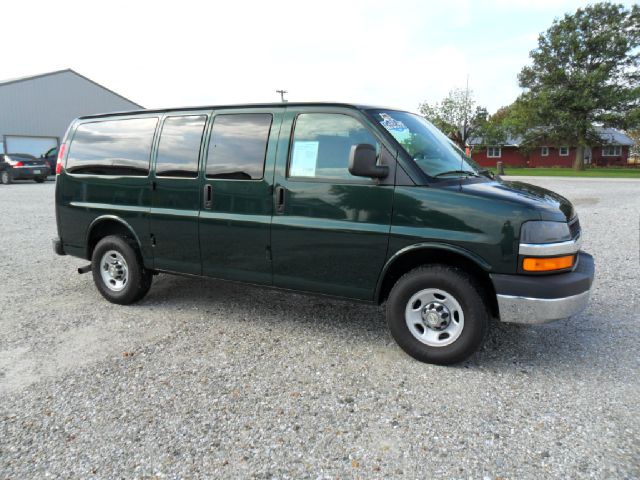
436	314
118	271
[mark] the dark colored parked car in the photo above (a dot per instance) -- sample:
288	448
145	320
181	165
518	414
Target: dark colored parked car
3	168
21	166
51	156
358	202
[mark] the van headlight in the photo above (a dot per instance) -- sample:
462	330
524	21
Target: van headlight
547	246
539	231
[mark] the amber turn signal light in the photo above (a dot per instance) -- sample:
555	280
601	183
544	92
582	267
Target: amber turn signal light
547	264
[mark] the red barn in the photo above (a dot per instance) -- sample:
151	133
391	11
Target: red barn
613	150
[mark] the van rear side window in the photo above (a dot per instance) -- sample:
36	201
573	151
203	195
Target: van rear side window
238	146
179	148
112	147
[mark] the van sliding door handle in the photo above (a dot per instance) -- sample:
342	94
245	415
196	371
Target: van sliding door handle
280	194
208	197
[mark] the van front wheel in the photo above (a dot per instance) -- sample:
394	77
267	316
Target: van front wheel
118	271
436	314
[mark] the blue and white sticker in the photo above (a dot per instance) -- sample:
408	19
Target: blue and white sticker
395	127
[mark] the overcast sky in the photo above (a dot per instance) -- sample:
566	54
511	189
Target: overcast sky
394	53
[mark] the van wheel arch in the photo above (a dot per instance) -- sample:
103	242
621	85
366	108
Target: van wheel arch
419	257
105	226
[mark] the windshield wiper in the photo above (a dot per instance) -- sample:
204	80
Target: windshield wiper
486	172
449	172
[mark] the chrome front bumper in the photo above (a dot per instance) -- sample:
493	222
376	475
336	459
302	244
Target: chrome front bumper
533	311
534	299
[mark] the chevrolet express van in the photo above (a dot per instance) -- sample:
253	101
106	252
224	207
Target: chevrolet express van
366	203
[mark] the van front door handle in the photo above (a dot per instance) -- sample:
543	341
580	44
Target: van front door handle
208	197
280	195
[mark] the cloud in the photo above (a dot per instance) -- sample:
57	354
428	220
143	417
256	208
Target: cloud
536	4
397	53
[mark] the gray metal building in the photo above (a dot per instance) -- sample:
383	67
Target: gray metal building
35	111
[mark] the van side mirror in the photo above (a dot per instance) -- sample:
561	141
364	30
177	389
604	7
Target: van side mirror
363	162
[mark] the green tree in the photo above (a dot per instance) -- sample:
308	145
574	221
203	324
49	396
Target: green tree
457	115
517	118
521	119
585	70
492	129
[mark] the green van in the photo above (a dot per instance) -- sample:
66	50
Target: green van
351	201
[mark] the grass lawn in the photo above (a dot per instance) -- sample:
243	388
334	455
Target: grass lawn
569	172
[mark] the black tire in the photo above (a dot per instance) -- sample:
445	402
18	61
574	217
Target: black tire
40	179
463	289
5	177
138	280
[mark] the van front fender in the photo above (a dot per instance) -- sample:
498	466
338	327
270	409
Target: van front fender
413	256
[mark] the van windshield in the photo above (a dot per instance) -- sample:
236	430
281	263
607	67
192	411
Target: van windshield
432	151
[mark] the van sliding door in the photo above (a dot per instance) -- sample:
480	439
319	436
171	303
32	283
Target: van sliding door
236	205
176	193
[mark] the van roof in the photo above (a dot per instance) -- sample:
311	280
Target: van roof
242	105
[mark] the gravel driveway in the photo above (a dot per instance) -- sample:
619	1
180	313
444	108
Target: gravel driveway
207	379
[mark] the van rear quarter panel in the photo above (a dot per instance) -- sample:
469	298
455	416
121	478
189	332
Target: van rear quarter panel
81	199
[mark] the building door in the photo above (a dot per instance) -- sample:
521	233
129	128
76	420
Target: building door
235	218
330	229
35	146
176	193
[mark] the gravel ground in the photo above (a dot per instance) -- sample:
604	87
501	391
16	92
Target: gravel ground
207	379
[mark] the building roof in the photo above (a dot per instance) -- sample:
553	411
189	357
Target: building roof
608	136
510	141
611	136
58	72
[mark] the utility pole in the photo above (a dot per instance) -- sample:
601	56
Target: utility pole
282	92
466	106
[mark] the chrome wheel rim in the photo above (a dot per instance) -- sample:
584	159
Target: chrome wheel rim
434	317
114	270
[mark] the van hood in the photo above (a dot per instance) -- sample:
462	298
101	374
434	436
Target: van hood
550	205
